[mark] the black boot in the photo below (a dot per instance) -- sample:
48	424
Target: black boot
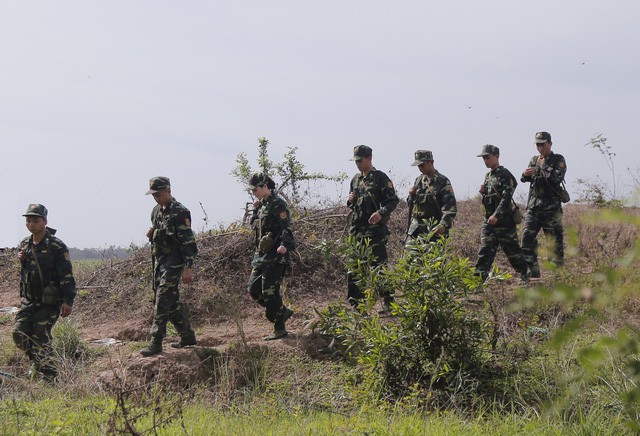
186	340
280	330
155	347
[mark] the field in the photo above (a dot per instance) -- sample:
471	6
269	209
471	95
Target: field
559	356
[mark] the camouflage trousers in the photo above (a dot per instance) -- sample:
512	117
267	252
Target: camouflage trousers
32	334
550	221
493	237
378	246
167	305
264	288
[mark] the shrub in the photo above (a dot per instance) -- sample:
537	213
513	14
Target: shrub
437	337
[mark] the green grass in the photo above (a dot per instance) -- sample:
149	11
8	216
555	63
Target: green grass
54	413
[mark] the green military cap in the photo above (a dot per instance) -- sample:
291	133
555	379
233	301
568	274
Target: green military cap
542	137
256	180
36	210
159	183
360	151
422	156
489	149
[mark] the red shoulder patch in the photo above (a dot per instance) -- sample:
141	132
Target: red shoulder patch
283	214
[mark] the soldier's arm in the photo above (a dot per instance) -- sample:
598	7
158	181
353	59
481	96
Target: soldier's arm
388	198
532	164
508	187
64	271
449	208
554	171
284	221
352	188
186	238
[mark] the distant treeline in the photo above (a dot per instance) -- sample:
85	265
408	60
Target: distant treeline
98	253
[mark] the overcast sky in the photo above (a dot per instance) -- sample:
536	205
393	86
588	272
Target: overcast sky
96	97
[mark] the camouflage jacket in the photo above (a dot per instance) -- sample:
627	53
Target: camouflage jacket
374	193
271	223
172	238
433	199
54	263
497	192
545	183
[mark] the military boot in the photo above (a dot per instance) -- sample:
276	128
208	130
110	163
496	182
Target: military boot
155	347
186	340
534	271
280	330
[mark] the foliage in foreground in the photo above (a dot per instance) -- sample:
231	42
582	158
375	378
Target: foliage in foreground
434	345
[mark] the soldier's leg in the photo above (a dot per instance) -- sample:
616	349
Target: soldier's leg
380	257
508	239
272	276
255	286
487	251
532	225
23	329
166	300
555	235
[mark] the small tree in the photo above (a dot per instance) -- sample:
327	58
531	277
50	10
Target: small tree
288	175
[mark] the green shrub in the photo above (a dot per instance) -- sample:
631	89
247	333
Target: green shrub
437	338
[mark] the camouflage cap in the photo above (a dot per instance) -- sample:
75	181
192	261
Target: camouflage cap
542	137
489	149
256	180
422	156
36	210
159	183
360	151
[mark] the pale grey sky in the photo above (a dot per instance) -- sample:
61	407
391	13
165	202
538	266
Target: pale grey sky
96	97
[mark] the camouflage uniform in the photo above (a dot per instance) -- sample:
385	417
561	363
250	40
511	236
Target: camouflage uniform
374	193
434	200
46	282
174	248
544	208
271	225
497	192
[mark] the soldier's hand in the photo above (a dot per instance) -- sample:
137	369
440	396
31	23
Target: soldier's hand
21	255
413	190
440	230
149	232
187	276
281	249
530	171
492	220
375	218
481	190
352	197
65	310
256	204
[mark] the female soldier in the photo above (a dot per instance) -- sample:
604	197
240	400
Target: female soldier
47	290
273	241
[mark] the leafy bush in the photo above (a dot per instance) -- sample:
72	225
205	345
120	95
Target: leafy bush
437	337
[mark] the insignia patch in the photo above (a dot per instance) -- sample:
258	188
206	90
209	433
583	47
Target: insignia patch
561	164
283	214
66	256
390	184
44	251
187	221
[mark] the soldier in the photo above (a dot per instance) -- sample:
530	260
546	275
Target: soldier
273	244
546	173
174	250
430	198
372	199
498	228
47	291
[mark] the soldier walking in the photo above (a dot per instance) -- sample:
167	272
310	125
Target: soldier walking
372	198
431	199
498	228
174	251
47	291
273	244
545	174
